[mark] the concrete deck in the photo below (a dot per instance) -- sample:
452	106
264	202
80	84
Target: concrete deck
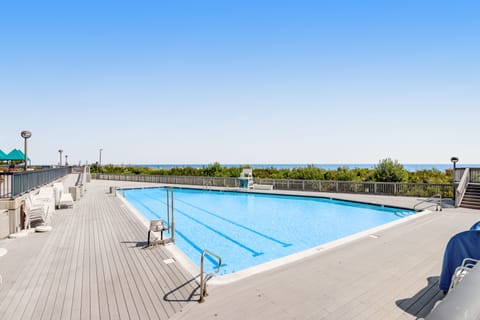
91	266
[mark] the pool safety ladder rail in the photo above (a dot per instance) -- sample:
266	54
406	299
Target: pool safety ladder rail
170	214
159	225
431	203
208	276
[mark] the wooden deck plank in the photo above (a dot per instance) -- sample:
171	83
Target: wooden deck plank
111	283
63	293
134	302
44	268
114	276
167	280
56	294
103	290
140	272
144	272
91	267
64	310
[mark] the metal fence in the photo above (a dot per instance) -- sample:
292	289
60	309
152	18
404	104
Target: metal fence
379	188
13	184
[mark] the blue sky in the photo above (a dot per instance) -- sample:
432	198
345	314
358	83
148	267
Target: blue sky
241	81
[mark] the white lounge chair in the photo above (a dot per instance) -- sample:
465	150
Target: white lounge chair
462	270
47	196
35	211
62	198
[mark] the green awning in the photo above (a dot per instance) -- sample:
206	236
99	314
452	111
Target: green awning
15	155
3	155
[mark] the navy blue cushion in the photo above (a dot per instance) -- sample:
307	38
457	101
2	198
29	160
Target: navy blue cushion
463	245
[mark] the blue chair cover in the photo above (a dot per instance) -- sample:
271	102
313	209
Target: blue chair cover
463	245
476	226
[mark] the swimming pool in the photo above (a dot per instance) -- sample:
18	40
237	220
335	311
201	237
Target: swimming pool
247	229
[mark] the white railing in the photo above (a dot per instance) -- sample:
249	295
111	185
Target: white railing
462	187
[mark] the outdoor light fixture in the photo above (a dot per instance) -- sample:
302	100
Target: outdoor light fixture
25	135
100	157
454	160
60	151
66	160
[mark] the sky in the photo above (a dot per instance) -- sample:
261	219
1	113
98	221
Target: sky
241	82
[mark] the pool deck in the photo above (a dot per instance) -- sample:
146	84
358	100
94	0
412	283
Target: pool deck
92	266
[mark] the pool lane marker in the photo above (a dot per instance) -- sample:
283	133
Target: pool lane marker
254	253
198	249
283	244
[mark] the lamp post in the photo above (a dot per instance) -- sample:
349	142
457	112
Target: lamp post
454	160
60	151
100	158
25	135
66	160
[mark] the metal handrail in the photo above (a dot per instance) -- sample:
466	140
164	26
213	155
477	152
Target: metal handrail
436	204
14	184
203	280
170	214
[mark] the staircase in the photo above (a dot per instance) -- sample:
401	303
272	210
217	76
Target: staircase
471	199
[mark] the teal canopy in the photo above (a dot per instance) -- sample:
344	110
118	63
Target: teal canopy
15	155
3	155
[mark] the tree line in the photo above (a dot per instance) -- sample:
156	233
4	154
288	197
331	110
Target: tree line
387	170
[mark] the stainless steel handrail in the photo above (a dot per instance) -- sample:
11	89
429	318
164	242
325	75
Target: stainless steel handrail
204	279
436	204
170	214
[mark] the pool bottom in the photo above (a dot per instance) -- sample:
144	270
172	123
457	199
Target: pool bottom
179	256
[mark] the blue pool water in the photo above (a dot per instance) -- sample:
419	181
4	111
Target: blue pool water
247	229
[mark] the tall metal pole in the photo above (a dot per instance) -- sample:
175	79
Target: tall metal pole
25	151
60	152
100	158
454	161
25	135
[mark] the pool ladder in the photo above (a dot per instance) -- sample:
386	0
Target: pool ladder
158	225
437	204
170	214
208	276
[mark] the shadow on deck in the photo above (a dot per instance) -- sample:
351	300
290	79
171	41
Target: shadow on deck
423	301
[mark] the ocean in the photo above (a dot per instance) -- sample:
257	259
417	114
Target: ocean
329	166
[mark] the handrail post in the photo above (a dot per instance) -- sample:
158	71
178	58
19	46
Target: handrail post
204	279
173	217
